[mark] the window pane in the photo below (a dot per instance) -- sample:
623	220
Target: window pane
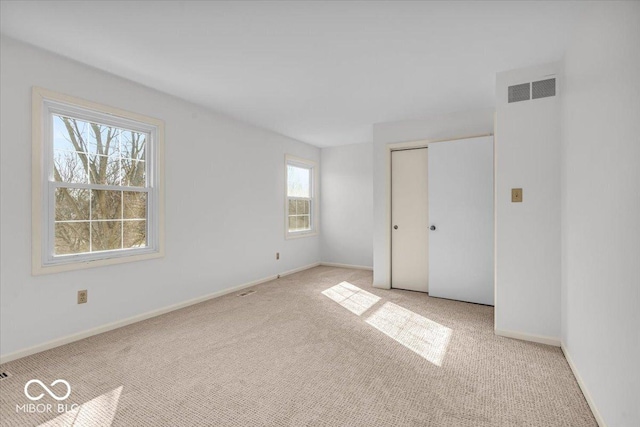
303	207
88	152
104	170
71	238
106	204
299	222
72	204
106	235
70	166
135	234
69	134
133	173
133	145
292	207
298	181
135	205
104	140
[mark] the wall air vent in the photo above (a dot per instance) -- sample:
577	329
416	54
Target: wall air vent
527	91
519	93
543	88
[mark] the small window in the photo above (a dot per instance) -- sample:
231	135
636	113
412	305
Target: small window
301	209
98	179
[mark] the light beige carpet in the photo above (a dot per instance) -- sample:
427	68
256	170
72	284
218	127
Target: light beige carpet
306	349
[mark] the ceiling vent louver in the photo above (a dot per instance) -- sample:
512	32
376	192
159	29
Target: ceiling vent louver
519	92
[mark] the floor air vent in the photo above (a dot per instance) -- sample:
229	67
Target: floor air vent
4	375
244	294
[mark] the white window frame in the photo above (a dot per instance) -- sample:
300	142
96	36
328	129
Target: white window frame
45	104
314	217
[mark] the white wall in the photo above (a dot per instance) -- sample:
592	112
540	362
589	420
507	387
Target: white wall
447	126
528	234
601	209
224	207
347	205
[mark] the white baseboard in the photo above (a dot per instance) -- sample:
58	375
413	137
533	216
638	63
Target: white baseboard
356	267
583	387
529	337
296	270
124	322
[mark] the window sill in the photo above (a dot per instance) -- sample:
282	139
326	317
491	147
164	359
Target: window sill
39	270
300	234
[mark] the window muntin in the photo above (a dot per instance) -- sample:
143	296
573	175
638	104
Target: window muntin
89	158
299	215
300	197
99	192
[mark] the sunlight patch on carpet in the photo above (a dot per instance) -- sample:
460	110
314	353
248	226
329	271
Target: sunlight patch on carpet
425	337
351	297
97	412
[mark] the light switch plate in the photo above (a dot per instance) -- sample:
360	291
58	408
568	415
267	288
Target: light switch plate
516	195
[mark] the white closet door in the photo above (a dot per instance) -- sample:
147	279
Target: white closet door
461	211
410	220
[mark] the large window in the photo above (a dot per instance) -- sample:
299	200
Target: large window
96	176
301	209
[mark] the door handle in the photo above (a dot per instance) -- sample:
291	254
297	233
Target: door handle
432	228
395	227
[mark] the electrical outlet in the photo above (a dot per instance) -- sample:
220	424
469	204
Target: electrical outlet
82	297
277	255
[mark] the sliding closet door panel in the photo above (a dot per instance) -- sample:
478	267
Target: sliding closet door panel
461	211
410	221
